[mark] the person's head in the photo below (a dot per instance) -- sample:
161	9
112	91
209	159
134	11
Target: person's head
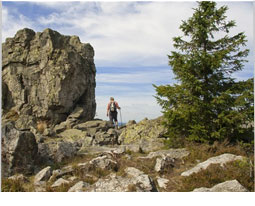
111	99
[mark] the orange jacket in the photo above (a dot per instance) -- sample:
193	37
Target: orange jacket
109	104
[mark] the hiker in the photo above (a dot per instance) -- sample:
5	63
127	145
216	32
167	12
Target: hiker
112	111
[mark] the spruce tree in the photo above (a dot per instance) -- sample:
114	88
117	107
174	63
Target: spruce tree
206	103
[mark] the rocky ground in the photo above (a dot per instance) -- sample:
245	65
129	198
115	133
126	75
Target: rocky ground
93	157
51	141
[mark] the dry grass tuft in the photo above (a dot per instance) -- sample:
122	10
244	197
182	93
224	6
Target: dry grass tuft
41	125
215	174
12	185
202	152
132	188
62	188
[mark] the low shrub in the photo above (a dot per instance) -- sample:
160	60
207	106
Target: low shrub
242	171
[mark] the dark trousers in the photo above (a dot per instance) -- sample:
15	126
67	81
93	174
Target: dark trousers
113	116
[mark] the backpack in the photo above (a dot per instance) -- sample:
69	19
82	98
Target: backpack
113	107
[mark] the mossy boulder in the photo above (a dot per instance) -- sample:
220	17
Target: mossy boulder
147	133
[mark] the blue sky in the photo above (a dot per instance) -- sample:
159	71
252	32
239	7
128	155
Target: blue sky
131	42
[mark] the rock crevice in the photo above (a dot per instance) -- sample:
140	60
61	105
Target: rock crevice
48	74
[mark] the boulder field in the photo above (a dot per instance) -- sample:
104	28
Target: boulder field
51	140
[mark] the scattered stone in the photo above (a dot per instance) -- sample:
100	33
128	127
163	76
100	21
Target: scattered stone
18	177
228	186
77	113
19	150
221	159
120	150
40	186
65	150
73	134
49	132
114	183
133	171
72	179
79	187
111	131
93	150
129	157
173	153
111	183
143	181
84	165
104	163
87	142
131	122
68	170
133	148
97	124
43	175
60	127
104	138
164	164
55	175
60	182
162	182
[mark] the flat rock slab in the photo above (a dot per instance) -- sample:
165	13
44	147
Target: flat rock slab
78	187
135	180
173	153
104	163
18	177
96	150
73	134
162	182
60	182
43	175
68	170
221	159
164	163
133	172
73	178
40	186
228	186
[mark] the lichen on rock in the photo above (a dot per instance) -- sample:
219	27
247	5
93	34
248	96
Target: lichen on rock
47	75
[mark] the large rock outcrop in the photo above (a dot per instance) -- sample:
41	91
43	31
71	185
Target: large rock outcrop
46	75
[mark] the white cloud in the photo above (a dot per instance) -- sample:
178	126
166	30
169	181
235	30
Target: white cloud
11	24
136	77
125	33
